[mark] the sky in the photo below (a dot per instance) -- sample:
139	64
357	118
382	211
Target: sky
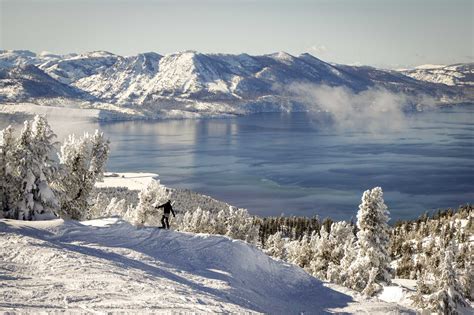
383	33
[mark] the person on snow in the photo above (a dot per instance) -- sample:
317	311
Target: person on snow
167	209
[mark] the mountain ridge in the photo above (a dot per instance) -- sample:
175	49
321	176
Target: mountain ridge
191	80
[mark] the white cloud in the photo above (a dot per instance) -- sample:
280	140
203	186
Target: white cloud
319	49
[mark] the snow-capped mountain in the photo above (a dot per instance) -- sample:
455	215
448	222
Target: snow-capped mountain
195	82
71	68
25	81
147	78
452	75
123	81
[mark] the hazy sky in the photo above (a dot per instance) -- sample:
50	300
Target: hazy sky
389	33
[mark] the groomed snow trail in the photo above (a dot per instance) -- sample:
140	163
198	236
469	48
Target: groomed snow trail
108	265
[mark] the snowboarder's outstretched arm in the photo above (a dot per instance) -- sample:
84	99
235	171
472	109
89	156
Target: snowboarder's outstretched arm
161	206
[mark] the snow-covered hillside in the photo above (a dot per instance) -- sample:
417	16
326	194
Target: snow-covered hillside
453	75
188	84
108	265
26	82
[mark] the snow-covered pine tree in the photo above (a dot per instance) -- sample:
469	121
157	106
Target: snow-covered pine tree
9	184
97	208
300	252
35	168
151	196
116	207
418	298
230	222
466	278
275	246
82	164
220	223
435	257
372	263
43	141
350	255
449	298
293	252
22	155
341	241
320	253
240	225
405	265
196	221
100	154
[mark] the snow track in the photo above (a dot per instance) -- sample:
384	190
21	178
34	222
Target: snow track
108	265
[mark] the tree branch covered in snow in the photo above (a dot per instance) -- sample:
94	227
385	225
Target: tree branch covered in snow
36	186
28	171
82	164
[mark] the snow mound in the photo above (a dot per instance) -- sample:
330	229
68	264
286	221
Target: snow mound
132	181
392	294
107	265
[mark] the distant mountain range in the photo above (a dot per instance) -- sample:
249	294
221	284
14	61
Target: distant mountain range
452	75
196	82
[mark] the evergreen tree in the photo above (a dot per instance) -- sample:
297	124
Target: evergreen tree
341	241
350	255
421	289
405	265
116	207
83	163
33	165
372	263
150	197
275	246
321	253
98	207
43	141
466	278
449	298
240	225
9	183
23	156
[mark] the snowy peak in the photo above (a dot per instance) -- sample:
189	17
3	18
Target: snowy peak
146	62
26	81
452	75
283	57
191	74
135	65
123	81
311	59
12	58
72	68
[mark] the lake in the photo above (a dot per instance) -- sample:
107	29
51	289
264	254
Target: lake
300	164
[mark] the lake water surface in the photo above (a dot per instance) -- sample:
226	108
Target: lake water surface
298	165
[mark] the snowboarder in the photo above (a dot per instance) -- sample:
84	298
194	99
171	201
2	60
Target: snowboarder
167	208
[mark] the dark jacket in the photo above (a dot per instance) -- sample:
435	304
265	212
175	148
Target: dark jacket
167	208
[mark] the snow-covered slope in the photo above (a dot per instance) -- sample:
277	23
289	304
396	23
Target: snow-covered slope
108	265
25	81
124	81
452	75
71	68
